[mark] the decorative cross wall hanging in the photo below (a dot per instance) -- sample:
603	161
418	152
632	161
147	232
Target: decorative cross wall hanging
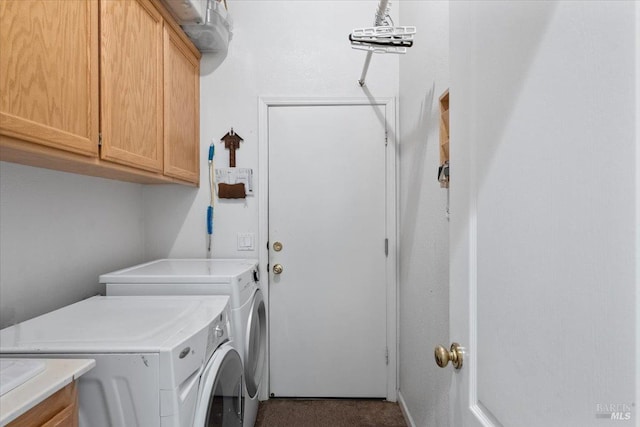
232	142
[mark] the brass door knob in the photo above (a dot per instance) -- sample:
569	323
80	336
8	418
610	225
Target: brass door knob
277	269
277	246
443	356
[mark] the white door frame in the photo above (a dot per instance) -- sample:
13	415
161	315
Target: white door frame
264	103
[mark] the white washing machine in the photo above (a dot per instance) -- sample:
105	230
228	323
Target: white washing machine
160	361
237	278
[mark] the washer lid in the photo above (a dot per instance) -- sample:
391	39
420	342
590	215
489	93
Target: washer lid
182	271
115	325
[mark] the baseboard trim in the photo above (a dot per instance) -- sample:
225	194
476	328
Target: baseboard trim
405	410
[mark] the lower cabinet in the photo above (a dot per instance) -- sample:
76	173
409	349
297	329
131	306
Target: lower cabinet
59	410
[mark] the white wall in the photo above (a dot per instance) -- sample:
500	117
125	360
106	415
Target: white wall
279	48
424	243
58	232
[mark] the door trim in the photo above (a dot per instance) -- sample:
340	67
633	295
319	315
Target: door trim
389	104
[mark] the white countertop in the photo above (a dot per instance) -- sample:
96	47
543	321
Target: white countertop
57	374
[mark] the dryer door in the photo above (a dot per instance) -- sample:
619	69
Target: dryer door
220	400
255	344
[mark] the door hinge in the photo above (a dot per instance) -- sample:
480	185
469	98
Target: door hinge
267	268
386	356
100	139
386	137
386	247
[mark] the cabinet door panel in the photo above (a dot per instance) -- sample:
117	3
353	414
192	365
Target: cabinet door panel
58	410
131	83
181	110
49	73
65	418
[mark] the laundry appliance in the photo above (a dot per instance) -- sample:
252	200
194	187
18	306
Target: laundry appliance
237	278
160	361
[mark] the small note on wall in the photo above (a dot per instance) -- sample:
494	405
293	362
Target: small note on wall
234	183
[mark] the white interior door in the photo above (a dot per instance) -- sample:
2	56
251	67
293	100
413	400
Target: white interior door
328	208
544	227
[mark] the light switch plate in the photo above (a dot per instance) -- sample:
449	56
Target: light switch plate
246	241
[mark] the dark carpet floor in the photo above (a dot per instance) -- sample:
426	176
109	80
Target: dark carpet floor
329	413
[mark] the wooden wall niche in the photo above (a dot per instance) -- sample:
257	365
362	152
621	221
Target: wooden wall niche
443	173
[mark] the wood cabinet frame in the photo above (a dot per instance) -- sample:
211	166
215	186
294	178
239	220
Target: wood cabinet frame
26	141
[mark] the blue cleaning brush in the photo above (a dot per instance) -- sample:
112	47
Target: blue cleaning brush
210	207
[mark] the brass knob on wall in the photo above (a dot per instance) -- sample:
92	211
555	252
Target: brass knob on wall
443	356
277	269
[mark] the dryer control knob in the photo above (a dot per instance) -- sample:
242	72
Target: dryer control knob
219	331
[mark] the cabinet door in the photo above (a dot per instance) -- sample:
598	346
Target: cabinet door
131	83
58	410
68	417
181	109
49	73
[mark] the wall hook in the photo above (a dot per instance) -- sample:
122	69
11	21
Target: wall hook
232	142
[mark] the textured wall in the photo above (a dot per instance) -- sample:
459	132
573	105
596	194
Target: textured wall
58	232
424	238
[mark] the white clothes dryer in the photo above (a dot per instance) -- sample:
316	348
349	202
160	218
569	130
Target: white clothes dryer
160	361
237	278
